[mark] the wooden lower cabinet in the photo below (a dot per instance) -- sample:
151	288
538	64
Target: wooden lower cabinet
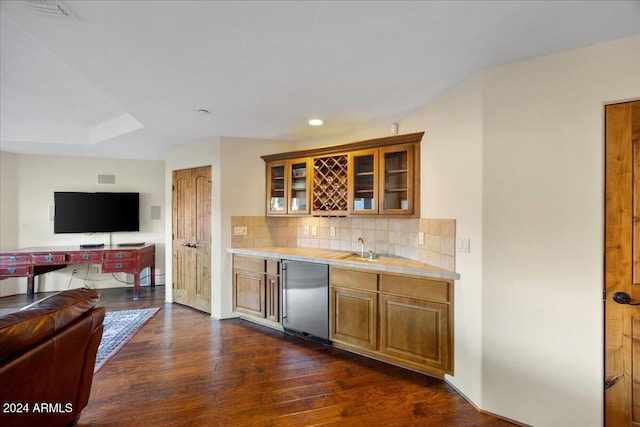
257	289
406	320
249	292
273	298
415	331
354	317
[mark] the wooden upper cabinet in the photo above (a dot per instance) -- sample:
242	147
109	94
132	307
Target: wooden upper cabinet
363	182
299	179
374	177
276	188
288	187
397	183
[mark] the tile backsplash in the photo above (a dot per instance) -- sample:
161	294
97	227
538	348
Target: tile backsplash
393	236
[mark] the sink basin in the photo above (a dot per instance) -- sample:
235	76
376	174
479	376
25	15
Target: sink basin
359	257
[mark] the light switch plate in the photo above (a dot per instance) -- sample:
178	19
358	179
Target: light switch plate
314	230
306	230
463	245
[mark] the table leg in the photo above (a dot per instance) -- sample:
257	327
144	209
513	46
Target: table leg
152	272
136	286
30	286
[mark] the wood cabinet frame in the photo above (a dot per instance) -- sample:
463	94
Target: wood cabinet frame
287	166
412	179
257	289
409	142
402	319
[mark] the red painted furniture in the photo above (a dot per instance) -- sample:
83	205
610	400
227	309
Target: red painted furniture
31	262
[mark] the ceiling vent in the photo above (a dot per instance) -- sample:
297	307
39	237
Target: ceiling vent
50	8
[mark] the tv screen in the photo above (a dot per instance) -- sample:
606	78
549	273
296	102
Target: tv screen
77	212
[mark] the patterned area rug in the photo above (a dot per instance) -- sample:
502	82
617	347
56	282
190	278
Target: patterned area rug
119	328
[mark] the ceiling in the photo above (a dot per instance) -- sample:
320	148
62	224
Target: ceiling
126	79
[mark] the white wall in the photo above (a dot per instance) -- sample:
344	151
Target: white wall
9	216
38	177
238	188
515	155
543	231
451	187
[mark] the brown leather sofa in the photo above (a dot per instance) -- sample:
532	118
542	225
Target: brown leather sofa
47	356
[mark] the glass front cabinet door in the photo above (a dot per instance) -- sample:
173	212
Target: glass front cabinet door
288	187
397	182
276	190
299	178
364	182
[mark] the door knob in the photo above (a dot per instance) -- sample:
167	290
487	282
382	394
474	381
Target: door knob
624	298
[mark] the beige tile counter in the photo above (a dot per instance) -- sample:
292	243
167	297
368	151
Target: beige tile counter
385	263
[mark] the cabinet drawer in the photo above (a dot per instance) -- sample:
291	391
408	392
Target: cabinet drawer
114	267
14	259
49	258
415	287
353	279
256	265
18	271
272	267
80	257
120	255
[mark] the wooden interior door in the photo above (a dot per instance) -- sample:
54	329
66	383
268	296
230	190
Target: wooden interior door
192	237
622	265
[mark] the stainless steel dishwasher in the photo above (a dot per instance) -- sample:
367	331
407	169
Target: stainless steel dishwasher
306	299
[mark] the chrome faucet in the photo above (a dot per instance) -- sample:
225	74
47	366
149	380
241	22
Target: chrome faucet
361	241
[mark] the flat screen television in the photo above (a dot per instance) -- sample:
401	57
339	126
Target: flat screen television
76	212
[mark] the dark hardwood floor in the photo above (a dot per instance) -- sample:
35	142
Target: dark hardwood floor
186	369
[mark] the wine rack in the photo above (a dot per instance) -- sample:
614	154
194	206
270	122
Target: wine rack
330	190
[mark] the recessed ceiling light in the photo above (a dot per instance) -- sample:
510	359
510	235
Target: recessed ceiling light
315	122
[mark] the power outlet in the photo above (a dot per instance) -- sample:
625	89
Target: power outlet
96	268
314	230
306	230
421	238
332	231
239	231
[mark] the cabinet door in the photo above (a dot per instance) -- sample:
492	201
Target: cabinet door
363	182
353	317
273	298
416	331
298	185
249	293
397	184
276	188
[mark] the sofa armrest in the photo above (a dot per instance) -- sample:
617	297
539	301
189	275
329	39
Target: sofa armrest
36	322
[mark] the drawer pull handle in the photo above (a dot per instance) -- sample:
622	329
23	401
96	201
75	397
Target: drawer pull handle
119	255
12	259
11	270
118	265
85	256
48	258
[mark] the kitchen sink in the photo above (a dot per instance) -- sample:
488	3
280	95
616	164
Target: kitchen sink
358	257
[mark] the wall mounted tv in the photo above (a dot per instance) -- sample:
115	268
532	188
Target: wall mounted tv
77	212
